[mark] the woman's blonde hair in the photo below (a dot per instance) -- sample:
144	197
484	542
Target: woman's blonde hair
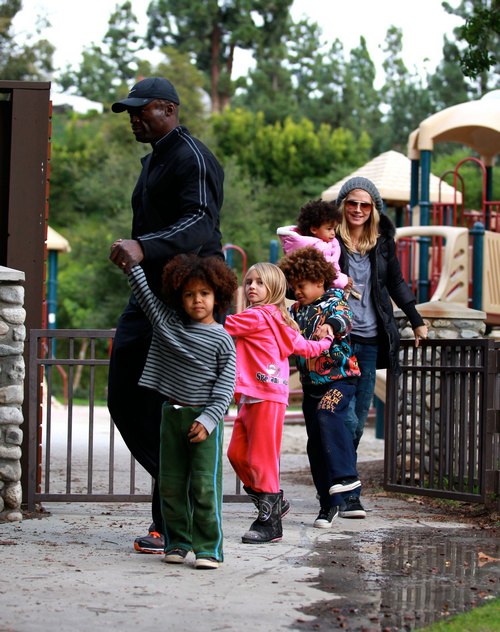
370	233
276	285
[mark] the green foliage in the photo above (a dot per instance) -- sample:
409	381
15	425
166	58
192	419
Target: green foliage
31	61
480	39
481	32
286	152
448	85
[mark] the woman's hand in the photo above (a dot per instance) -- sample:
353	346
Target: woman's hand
421	333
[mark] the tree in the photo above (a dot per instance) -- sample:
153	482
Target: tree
447	84
481	37
360	101
288	151
107	69
29	61
211	30
406	99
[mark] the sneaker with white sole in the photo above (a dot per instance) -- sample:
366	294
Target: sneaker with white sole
346	485
151	543
325	517
206	563
175	556
353	508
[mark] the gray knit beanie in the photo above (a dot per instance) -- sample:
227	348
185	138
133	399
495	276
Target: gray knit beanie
365	185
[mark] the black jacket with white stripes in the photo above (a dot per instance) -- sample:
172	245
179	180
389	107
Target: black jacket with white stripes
176	202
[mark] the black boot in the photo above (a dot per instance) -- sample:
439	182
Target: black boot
285	504
267	527
253	495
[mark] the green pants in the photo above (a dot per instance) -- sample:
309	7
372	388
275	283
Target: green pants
190	484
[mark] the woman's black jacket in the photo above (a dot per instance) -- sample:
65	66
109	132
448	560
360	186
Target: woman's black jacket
387	283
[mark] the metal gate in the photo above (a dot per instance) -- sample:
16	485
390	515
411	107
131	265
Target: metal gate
75	453
442	423
442	420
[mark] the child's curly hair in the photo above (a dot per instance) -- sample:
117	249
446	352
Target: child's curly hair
307	264
214	271
315	213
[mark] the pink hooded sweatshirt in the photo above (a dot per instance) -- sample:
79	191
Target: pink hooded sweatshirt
292	240
264	343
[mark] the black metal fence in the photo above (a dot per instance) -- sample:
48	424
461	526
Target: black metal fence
75	453
442	423
442	420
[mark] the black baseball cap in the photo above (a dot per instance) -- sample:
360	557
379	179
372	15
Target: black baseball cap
146	91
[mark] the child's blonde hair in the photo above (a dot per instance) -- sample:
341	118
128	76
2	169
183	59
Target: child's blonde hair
276	285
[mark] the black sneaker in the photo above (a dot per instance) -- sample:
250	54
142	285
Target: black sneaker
175	556
206	563
352	508
325	517
151	543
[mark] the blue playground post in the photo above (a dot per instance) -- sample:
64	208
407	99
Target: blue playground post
52	289
477	233
423	270
273	251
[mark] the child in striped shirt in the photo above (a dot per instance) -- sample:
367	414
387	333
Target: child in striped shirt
192	363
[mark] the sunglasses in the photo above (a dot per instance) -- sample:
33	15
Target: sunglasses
352	205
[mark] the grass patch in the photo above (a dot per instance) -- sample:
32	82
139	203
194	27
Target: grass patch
484	618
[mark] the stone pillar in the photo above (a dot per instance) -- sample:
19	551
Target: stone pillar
12	372
445	320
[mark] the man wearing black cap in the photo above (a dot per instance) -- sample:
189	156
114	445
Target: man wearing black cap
176	204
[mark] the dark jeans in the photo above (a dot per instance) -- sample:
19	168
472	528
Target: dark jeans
330	448
136	411
363	396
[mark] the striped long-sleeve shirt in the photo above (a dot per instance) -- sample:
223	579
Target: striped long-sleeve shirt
192	363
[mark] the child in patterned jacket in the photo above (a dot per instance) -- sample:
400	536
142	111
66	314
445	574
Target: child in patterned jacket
327	387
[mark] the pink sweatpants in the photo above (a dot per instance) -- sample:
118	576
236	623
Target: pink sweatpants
254	449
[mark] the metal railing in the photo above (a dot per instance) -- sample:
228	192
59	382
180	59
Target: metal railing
442	420
440	440
75	453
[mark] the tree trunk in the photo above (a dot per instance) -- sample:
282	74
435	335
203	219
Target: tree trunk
215	70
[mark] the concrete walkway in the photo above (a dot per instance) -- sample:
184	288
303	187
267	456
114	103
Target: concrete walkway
75	569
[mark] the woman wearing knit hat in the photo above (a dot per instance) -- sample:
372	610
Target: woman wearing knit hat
368	256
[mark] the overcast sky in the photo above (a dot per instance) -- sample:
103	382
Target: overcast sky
75	25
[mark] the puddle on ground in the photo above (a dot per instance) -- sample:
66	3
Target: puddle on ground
401	580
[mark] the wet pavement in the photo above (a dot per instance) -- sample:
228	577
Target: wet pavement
402	580
403	567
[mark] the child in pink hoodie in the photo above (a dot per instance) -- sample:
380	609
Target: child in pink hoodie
266	336
316	226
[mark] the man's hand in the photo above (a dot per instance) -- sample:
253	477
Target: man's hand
197	433
126	253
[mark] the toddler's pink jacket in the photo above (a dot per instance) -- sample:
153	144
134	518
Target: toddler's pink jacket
263	345
292	240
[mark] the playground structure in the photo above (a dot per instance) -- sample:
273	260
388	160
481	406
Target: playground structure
457	260
448	252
